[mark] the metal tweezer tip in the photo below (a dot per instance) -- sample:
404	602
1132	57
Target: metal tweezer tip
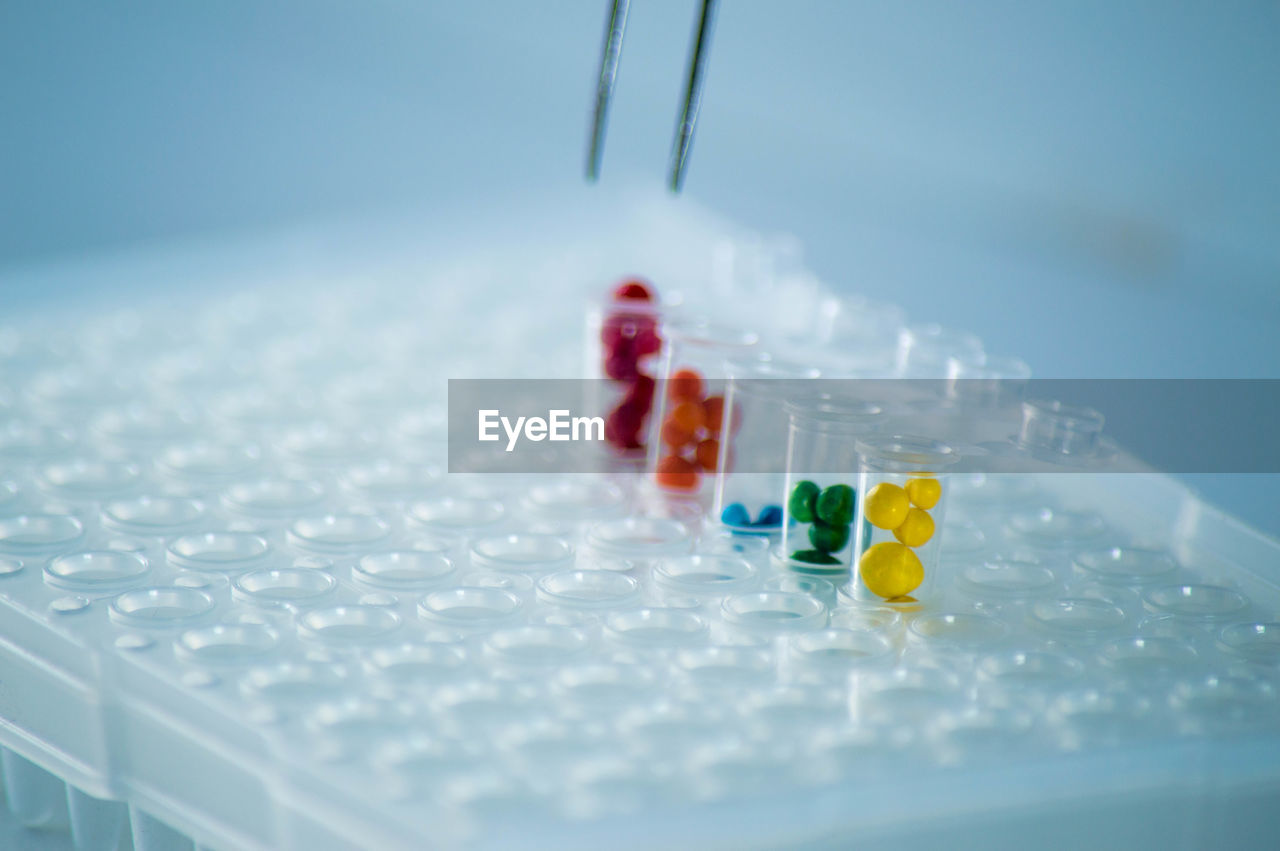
610	54
692	97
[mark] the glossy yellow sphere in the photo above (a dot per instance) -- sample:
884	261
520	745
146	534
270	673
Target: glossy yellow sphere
890	569
916	530
886	506
924	493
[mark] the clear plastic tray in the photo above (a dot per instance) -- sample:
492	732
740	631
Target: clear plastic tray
240	606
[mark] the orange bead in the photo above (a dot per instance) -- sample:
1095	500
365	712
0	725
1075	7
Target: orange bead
685	384
713	413
675	436
676	473
688	416
708	454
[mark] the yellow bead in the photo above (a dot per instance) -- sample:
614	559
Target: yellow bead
924	493
886	506
916	529
889	570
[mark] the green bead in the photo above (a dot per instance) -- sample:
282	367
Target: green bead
835	505
800	505
828	537
813	557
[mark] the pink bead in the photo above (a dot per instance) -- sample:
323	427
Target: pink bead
622	428
621	365
647	341
640	396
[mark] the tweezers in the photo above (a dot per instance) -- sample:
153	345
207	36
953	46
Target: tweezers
610	55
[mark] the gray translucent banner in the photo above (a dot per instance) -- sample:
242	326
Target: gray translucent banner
992	425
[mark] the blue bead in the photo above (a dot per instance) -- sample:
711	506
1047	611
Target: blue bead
770	515
735	515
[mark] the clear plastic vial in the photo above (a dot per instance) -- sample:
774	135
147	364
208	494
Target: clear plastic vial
685	432
819	496
902	498
924	350
1050	427
986	382
748	480
623	350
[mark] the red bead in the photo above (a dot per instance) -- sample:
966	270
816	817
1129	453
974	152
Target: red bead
622	428
629	415
641	393
616	328
640	333
647	340
621	366
610	334
632	289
